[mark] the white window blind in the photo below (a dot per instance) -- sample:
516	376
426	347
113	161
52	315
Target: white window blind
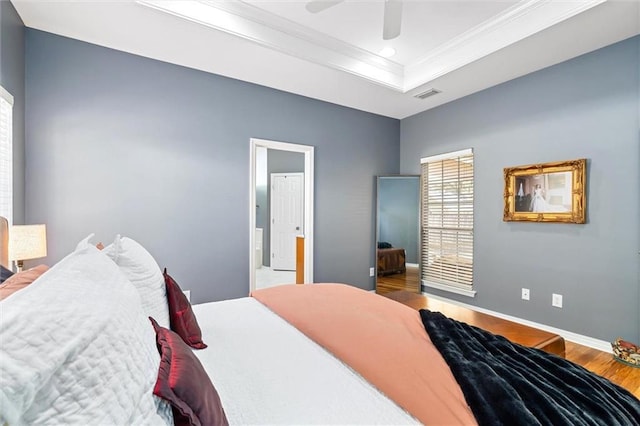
447	222
6	155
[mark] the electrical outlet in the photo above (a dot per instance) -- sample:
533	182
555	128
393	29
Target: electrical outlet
188	294
525	294
556	300
372	272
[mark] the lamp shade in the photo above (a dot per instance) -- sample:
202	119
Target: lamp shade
27	242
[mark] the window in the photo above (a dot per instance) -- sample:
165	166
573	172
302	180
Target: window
6	155
447	222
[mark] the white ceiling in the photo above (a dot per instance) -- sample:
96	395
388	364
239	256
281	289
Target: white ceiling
456	47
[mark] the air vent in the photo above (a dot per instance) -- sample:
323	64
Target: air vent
426	94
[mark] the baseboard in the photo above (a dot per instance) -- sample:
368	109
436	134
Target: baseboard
413	265
580	339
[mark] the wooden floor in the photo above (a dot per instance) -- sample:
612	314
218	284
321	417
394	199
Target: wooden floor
515	332
599	362
408	281
602	363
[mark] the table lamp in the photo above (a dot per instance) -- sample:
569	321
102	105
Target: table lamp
27	242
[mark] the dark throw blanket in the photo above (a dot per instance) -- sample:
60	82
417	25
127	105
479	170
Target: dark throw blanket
509	384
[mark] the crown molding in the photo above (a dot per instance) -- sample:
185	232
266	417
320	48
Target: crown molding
269	30
251	23
512	25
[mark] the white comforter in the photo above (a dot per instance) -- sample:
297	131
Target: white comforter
267	372
76	349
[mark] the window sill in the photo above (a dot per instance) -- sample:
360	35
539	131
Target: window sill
450	289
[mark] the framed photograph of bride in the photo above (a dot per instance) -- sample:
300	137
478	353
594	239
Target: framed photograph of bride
547	192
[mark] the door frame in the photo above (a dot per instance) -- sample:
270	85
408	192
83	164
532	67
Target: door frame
308	152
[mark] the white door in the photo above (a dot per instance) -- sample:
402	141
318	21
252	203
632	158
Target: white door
287	208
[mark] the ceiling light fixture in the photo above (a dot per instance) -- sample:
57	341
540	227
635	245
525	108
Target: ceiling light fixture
387	52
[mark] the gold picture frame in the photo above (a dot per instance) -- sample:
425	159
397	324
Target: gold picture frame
547	192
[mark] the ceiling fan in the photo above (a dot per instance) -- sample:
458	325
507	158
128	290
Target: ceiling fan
392	14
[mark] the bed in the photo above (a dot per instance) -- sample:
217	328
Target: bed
77	347
391	261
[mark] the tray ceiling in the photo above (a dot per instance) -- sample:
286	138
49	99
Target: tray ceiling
336	55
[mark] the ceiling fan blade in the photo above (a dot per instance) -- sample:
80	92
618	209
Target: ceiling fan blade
316	6
392	19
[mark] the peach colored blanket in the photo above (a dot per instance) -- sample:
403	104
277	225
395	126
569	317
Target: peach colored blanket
383	340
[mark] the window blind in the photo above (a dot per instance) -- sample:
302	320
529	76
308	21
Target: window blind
447	220
6	155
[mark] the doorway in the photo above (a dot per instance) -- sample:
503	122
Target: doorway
260	228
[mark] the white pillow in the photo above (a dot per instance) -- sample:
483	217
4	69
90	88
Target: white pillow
76	348
144	273
83	244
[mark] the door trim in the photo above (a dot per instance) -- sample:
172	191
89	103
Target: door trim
308	152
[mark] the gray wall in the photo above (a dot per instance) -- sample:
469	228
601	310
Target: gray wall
123	144
277	162
12	79
398	213
587	107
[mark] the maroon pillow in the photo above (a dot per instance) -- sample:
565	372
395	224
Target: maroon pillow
183	382
181	317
